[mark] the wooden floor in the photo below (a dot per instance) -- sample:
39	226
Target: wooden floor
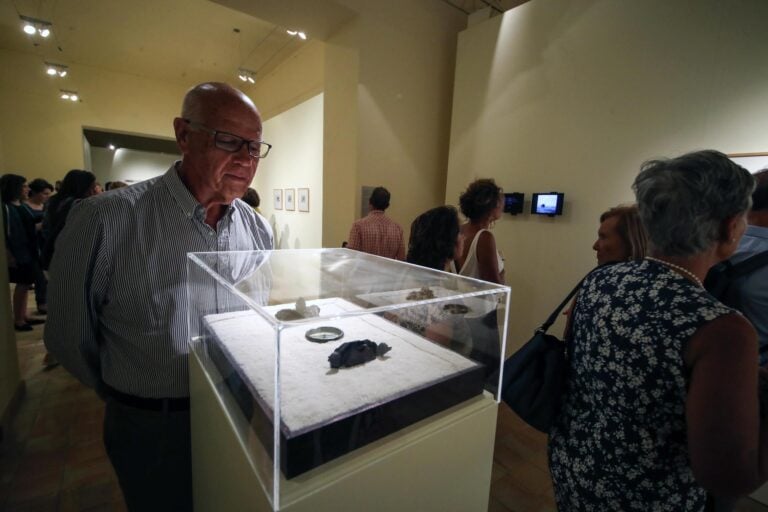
52	457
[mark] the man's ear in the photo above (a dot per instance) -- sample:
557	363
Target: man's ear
181	128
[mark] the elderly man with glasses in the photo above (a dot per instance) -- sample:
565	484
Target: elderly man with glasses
117	296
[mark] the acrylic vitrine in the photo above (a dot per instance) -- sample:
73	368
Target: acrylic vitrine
314	354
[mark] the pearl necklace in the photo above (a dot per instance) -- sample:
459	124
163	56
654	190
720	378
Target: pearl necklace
684	271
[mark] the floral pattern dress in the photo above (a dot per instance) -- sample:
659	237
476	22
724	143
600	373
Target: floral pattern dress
620	440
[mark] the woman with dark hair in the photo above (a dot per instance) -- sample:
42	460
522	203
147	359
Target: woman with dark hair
661	400
39	192
434	243
252	198
77	184
435	240
482	205
20	244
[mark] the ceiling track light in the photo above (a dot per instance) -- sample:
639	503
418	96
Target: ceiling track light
34	26
68	95
53	69
246	75
297	33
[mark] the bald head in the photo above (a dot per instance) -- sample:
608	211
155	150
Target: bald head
204	98
216	131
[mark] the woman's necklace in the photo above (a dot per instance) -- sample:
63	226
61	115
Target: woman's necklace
685	271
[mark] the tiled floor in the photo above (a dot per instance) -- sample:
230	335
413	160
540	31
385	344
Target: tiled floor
52	458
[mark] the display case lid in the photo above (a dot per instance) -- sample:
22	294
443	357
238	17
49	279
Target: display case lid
375	284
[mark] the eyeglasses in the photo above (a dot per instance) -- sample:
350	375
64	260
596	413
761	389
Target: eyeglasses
232	143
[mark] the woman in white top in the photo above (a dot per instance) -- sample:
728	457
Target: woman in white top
482	204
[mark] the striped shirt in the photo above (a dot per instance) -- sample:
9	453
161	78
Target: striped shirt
117	295
377	234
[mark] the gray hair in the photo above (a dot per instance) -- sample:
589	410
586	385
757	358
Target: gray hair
684	201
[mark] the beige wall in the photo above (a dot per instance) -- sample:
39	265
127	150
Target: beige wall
405	60
295	161
340	131
572	95
298	79
41	135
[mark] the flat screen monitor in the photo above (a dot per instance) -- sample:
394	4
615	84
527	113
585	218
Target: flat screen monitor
547	203
513	202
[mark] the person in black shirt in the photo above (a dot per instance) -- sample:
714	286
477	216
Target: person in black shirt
20	244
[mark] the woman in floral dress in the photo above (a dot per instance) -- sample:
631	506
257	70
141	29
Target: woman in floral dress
662	397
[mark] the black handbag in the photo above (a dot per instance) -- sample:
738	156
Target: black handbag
534	377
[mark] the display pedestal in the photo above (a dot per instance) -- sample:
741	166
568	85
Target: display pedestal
442	463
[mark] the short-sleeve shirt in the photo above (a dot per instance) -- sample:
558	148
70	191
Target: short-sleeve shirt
377	234
620	441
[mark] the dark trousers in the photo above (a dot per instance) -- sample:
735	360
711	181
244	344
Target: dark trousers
41	287
151	452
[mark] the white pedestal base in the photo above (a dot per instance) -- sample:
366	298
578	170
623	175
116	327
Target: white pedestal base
440	464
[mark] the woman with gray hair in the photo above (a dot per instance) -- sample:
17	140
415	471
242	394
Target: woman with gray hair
661	401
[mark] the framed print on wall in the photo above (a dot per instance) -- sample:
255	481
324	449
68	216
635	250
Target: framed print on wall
303	199
277	196
289	195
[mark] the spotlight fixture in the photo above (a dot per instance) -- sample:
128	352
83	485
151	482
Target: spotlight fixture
246	75
34	26
69	95
298	33
54	69
111	147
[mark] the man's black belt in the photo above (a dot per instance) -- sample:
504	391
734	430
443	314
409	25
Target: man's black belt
148	404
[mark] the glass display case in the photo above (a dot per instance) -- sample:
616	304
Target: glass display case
316	353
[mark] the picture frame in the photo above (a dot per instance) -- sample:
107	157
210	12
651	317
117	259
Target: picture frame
277	198
290	195
752	162
302	199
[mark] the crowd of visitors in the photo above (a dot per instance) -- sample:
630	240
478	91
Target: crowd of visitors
647	422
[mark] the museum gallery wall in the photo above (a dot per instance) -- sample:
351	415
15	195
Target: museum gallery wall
295	164
574	95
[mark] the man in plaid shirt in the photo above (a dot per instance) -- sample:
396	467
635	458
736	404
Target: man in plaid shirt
376	233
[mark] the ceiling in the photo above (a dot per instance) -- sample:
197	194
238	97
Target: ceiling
183	41
495	6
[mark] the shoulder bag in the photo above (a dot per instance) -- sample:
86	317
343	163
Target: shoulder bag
534	377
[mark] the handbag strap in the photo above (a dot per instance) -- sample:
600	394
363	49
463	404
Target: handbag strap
548	323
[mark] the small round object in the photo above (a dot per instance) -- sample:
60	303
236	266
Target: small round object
323	334
456	309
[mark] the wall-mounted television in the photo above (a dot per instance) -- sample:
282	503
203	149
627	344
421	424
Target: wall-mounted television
547	203
513	202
